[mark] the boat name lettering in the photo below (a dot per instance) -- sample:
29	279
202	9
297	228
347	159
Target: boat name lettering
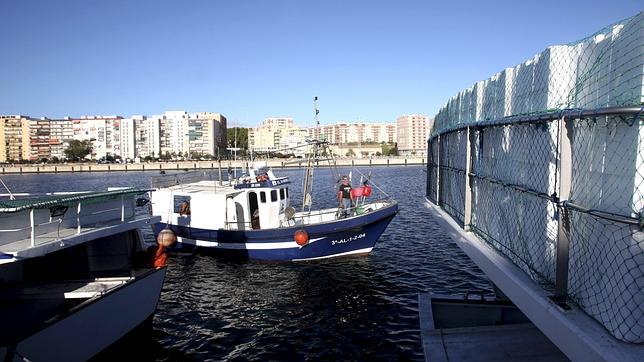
279	182
351	238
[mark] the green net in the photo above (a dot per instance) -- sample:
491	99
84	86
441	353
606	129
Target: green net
43	202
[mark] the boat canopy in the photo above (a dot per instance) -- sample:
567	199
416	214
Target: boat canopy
48	201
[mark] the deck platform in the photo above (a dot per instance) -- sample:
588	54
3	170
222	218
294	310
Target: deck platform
576	334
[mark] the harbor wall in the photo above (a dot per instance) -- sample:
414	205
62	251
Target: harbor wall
198	165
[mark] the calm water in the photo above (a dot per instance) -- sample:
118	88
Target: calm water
358	308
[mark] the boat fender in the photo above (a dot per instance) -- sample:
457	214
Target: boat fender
357	192
301	237
160	257
166	237
366	190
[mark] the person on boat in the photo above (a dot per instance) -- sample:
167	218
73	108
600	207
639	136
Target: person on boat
254	220
184	208
344	197
261	178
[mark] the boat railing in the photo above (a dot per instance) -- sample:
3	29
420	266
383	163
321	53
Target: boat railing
38	221
315	216
169	180
337	213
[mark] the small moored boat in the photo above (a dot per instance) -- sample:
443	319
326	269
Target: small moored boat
74	273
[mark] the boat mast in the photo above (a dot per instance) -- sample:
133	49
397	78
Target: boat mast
307	188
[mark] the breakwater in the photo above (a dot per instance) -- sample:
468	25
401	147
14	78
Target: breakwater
199	165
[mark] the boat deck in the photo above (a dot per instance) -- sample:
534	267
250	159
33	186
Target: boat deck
66	237
480	330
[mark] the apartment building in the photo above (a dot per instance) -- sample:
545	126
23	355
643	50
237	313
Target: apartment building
36	144
412	132
206	134
146	136
61	131
12	143
276	133
343	133
186	134
103	131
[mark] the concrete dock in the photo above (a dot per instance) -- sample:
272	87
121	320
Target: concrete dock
199	165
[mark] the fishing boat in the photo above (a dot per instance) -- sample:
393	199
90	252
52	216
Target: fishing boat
75	276
252	216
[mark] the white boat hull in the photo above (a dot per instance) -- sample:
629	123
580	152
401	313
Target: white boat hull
95	324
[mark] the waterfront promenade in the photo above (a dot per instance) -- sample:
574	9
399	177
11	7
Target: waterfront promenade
201	165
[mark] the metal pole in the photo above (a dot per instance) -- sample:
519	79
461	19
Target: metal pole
33	227
122	209
467	217
219	167
78	222
438	171
565	178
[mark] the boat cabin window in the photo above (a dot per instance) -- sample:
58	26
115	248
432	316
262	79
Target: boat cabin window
262	197
273	195
182	205
254	210
281	194
286	192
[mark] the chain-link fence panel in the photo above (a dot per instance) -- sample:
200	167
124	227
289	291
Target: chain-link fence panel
432	169
453	151
514	174
606	270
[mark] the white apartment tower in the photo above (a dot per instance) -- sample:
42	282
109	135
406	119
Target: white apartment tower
183	134
146	136
103	131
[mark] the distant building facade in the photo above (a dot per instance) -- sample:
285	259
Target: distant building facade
412	131
104	132
184	134
342	133
147	136
276	133
13	138
61	131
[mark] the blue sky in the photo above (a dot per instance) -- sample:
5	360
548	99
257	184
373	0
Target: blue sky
365	60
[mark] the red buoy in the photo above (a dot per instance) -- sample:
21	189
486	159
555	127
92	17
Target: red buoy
367	191
356	192
301	237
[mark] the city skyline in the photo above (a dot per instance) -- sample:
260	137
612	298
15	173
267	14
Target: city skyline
248	125
251	60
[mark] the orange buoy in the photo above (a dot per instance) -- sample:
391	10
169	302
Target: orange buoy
166	238
301	237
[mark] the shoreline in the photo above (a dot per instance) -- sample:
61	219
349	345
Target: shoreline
201	165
